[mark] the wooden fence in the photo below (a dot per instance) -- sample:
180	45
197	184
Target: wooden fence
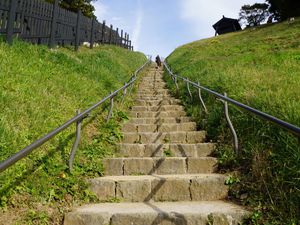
39	22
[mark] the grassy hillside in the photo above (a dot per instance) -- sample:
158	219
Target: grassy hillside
261	68
40	90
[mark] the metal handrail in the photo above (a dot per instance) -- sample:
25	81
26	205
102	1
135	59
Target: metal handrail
288	126
28	149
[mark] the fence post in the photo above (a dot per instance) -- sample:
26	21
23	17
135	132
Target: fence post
127	42
11	21
92	34
130	45
77	31
117	37
53	24
103	32
121	42
110	33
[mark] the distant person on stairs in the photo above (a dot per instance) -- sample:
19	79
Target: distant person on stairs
158	61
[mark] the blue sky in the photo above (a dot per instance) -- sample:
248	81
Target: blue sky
159	26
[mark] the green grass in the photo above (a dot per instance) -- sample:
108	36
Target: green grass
261	68
40	90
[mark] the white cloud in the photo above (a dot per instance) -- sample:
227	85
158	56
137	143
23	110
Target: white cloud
101	10
116	18
202	14
138	26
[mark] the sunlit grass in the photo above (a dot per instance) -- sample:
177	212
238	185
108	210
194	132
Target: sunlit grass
261	68
40	90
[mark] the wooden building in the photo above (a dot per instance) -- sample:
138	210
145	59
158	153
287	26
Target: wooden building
226	25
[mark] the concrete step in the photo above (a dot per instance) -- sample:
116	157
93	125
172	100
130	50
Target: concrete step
163	150
160	188
157	108
163	127
158	213
157	102
151	120
157	165
183	137
169	113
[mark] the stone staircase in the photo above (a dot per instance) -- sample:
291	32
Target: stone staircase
164	175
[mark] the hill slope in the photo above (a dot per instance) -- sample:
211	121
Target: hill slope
261	68
40	90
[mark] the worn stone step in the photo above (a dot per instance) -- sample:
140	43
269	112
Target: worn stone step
158	213
157	108
157	102
162	127
153	91
152	83
159	165
153	88
163	150
182	137
154	77
169	113
160	188
148	85
151	120
154	98
149	98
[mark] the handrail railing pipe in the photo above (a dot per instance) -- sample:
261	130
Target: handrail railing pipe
28	149
288	126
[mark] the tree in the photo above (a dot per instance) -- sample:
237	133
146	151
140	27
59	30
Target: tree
284	9
85	6
253	15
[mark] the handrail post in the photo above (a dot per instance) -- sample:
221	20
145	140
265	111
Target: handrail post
124	93
176	84
188	88
201	100
131	86
75	145
235	138
110	108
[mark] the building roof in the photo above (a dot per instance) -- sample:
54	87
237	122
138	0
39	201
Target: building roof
225	21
